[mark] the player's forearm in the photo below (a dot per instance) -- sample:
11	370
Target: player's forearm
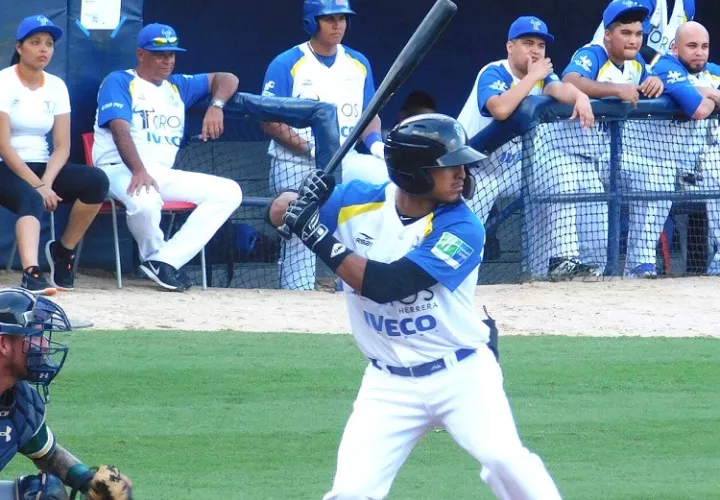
710	93
565	92
126	147
67	467
374	126
287	137
224	86
592	88
278	207
705	109
352	271
503	105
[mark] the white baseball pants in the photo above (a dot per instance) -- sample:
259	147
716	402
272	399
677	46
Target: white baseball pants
216	199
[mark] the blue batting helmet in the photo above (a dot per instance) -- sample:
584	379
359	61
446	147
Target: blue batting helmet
35	318
312	9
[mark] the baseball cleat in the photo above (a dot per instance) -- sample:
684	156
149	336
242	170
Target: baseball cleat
165	275
563	268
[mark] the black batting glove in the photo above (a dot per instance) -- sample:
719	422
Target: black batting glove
317	187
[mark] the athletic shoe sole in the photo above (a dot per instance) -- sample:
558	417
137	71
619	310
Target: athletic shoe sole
150	274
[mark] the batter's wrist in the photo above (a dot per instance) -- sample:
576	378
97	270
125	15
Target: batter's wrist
331	251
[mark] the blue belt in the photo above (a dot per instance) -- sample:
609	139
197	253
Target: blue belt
424	369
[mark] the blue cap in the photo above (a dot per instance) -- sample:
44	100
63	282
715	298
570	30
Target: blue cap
529	26
158	38
619	7
37	24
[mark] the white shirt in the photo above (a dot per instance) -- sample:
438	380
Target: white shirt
32	112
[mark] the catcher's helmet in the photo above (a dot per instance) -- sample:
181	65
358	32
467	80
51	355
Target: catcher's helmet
35	318
423	142
312	9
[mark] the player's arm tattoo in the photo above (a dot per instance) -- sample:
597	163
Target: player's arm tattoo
223	85
126	147
58	462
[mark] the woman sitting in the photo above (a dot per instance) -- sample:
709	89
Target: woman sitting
33	103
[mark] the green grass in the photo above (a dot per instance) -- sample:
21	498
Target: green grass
259	416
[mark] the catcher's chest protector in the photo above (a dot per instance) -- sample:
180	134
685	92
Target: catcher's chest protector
22	413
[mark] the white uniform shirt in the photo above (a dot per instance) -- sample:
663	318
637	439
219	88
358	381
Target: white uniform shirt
32	112
447	244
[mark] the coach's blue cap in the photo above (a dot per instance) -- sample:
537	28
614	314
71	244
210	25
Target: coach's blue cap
619	7
529	26
37	24
158	38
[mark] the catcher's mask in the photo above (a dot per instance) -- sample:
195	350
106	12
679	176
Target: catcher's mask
35	318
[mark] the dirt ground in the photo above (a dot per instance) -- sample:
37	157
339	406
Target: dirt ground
681	307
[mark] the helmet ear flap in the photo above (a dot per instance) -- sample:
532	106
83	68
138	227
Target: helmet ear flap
469	185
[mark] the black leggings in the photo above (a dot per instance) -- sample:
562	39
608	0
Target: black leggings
73	182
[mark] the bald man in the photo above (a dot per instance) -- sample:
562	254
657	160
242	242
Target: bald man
693	83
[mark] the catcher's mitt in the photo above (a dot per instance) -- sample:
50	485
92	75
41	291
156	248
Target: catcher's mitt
108	483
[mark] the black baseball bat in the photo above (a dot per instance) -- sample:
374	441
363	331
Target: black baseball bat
419	44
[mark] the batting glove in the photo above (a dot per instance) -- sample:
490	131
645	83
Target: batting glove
317	187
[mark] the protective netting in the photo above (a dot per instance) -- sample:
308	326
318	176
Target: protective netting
626	198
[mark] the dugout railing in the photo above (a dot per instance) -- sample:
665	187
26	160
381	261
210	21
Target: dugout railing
245	252
650	155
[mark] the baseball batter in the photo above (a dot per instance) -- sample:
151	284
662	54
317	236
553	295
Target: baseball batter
408	253
615	69
139	126
29	361
499	89
320	69
693	83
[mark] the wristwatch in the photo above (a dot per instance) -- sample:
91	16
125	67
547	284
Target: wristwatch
218	103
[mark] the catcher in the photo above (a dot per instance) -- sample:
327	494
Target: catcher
29	357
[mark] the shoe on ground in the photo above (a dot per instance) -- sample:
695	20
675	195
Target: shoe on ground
562	268
62	275
647	271
186	281
164	275
34	281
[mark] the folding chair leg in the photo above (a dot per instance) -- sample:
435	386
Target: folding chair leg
116	237
170	228
204	270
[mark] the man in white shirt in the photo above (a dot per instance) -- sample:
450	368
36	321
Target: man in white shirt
139	126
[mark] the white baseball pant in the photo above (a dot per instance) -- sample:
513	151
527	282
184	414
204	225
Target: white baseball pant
391	414
297	262
216	199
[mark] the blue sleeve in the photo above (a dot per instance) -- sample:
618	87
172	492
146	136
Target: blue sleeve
369	91
278	80
551	78
492	82
350	196
584	62
678	86
450	253
192	87
114	100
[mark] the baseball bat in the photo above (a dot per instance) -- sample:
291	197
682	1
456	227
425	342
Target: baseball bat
415	49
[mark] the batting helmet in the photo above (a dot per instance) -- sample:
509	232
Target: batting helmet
35	318
312	9
423	142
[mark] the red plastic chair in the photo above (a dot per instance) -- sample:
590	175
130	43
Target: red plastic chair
112	206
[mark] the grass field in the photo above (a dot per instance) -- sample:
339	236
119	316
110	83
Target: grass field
258	416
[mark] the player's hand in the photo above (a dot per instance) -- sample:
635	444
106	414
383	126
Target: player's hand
540	69
212	127
303	220
583	112
141	180
50	198
317	187
629	92
652	87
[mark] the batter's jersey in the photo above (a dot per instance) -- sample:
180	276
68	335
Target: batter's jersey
447	243
345	80
494	79
22	425
156	114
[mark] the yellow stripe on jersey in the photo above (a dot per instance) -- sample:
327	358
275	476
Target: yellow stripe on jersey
608	64
131	87
358	64
174	87
347	213
638	66
429	225
46	447
295	67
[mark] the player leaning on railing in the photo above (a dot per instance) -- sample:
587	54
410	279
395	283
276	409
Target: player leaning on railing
28	355
408	253
693	83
